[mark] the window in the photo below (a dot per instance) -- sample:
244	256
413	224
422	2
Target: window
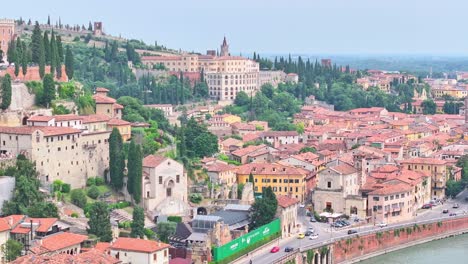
392	197
147	194
375	198
160	179
329	184
275	180
296	181
386	198
177	178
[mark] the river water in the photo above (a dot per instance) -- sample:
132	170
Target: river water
450	250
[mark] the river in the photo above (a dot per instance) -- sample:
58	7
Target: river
450	250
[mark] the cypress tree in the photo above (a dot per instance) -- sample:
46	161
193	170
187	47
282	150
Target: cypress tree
116	159
69	63
90	26
182	99
138	223
11	52
59	48
53	54
49	89
48	20
131	167
36	43
18	56
24	59
41	59
47	47
138	167
99	221
6	92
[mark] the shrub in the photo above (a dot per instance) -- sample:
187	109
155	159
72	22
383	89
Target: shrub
99	181
66	188
78	198
125	224
57	185
196	198
173	218
74	215
150	234
93	192
90	182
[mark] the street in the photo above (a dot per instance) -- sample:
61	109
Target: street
326	234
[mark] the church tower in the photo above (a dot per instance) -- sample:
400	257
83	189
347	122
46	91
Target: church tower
224	48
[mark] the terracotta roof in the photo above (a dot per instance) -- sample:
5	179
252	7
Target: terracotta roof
280	134
102	246
220	167
90	257
231	141
8	222
60	118
153	161
118	106
44	223
62	240
101	99
268	169
180	261
138	245
247	150
102	89
95	118
429	161
392	187
118	122
48	131
344	169
40	118
286	201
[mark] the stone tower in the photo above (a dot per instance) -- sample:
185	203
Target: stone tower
224	48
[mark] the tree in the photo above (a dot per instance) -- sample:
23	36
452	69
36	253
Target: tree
429	107
164	230
69	63
36	43
135	170
53	54
99	221
11	52
12	249
42	60
59	48
93	192
47	50
138	223
6	92
242	99
43	210
307	149
90	26
78	198
49	90
116	159
268	90
264	209
24	60
48	20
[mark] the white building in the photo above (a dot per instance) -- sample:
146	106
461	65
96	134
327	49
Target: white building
164	186
133	250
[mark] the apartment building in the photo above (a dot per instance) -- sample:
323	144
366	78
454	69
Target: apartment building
436	168
7	33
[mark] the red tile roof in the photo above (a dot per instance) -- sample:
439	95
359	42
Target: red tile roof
118	106
48	131
344	169
102	89
101	99
429	161
153	161
247	150
102	246
69	117
8	222
268	169
89	257
118	122
286	201
40	118
62	240
138	245
392	187
95	118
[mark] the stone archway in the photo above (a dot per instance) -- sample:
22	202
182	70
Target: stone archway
202	211
24	121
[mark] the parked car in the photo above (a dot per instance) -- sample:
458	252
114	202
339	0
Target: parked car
288	249
274	249
352	231
427	206
300	236
452	214
445	211
311	229
308	233
313	220
313	236
383	224
301	205
455	206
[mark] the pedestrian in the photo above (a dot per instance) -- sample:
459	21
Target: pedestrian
250	262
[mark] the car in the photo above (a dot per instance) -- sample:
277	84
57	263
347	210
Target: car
300	236
311	229
383	224
455	206
288	249
313	236
445	211
352	231
275	249
313	220
301	205
452	214
427	206
308	233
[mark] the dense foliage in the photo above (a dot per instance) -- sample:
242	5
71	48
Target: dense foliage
135	170
264	209
5	92
138	223
116	159
99	221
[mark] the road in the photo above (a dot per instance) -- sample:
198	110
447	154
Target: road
327	234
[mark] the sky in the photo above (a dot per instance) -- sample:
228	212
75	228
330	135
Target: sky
338	27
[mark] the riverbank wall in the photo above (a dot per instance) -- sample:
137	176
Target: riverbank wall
356	248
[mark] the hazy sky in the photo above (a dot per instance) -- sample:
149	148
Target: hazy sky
273	26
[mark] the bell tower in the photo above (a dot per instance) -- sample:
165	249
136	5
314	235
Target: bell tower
224	48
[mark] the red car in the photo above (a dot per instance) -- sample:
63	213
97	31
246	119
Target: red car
274	249
427	206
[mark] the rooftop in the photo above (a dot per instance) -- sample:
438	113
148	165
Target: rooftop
138	245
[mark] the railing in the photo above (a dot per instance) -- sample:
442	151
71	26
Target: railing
89	146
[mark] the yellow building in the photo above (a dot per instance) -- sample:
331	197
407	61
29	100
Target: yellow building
434	167
284	180
123	126
106	105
